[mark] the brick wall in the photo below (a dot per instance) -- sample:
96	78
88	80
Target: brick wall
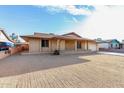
14	50
3	55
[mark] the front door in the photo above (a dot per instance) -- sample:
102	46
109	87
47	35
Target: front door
78	45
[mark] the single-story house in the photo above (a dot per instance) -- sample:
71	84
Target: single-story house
108	44
4	37
122	44
42	42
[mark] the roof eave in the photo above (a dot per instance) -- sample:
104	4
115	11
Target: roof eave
64	38
7	36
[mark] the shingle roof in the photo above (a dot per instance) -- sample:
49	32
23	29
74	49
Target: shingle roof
106	41
71	36
6	35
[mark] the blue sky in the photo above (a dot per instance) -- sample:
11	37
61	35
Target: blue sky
86	20
50	19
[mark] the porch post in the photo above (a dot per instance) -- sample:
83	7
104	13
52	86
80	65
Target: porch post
50	45
86	45
75	45
58	44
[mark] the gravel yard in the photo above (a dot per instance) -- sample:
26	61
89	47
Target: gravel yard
62	71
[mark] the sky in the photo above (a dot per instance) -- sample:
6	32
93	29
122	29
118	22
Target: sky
30	19
89	21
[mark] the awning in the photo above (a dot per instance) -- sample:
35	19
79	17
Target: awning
8	44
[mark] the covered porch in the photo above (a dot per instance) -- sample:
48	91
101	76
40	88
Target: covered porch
72	45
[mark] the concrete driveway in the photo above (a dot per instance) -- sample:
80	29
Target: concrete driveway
62	71
21	64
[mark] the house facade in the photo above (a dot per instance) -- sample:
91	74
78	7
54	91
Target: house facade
108	44
41	42
122	44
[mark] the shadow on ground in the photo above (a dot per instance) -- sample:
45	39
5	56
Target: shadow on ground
21	64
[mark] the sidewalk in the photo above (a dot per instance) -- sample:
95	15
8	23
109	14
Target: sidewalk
112	53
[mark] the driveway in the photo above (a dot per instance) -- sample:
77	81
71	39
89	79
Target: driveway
62	71
21	64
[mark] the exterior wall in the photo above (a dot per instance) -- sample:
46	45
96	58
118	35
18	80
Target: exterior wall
12	51
54	44
34	45
92	46
123	46
86	45
83	44
62	45
103	45
70	45
114	44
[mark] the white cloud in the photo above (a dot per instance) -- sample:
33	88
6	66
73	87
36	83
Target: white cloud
71	20
68	8
107	23
75	20
77	11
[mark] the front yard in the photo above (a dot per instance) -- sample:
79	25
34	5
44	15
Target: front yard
62	71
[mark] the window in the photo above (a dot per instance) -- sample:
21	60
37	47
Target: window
79	45
111	46
45	43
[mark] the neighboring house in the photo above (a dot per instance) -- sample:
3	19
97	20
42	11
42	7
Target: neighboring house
41	42
122	44
108	44
19	42
4	37
16	38
5	41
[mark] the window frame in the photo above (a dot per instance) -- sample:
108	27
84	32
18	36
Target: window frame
79	45
44	43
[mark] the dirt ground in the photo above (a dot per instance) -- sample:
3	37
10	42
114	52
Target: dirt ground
62	71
